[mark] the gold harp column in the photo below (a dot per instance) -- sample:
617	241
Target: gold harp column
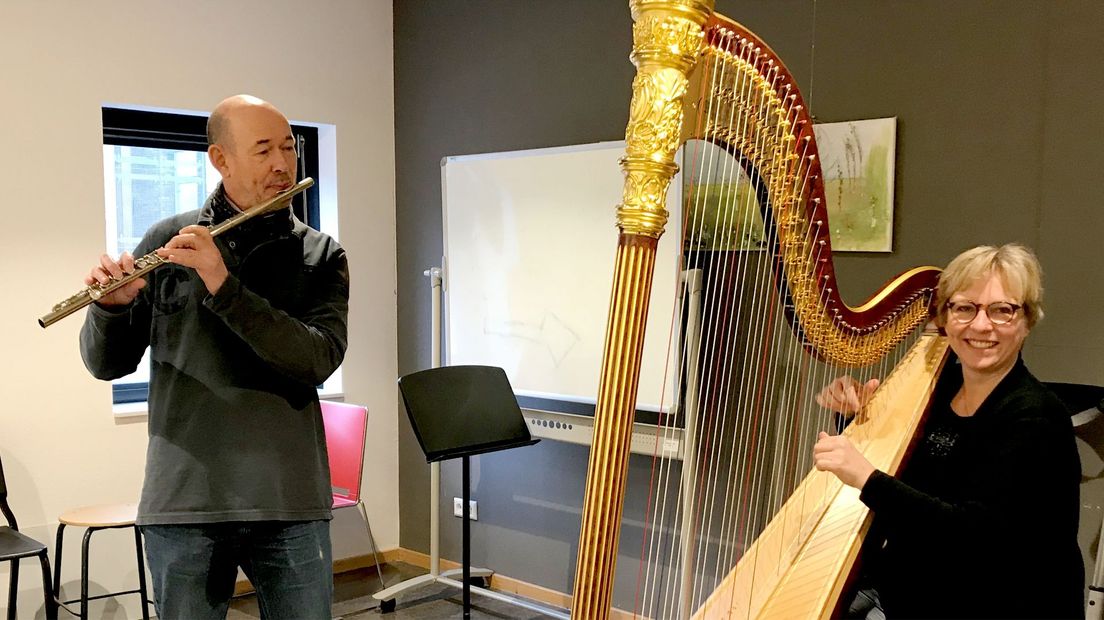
667	36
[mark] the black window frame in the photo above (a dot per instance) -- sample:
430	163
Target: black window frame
188	132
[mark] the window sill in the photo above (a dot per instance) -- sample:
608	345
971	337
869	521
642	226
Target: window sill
137	412
130	412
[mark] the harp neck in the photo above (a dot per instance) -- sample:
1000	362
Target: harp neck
744	100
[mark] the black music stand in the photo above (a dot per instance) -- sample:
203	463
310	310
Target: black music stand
458	412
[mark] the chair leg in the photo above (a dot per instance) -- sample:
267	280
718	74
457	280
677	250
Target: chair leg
13	588
57	561
141	573
84	573
372	541
47	588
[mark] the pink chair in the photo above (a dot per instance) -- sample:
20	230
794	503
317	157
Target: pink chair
346	428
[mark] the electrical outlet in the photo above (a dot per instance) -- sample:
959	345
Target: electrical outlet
458	508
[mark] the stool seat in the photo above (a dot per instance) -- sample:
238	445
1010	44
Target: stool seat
102	515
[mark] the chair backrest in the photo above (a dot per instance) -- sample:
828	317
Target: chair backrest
4	508
1085	402
346	426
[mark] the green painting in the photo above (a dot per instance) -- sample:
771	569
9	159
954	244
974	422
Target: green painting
856	158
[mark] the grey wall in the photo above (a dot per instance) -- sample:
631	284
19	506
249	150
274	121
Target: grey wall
997	128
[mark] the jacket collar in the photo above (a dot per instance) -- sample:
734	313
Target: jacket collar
218	208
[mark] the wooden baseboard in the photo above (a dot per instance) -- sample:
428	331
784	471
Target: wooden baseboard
358	562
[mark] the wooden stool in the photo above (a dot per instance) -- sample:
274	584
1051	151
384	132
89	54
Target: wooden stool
94	518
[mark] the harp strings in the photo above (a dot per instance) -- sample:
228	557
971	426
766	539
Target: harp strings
666	590
739	503
759	449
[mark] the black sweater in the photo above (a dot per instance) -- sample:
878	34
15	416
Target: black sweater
982	522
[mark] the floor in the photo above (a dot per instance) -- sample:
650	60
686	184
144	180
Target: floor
353	600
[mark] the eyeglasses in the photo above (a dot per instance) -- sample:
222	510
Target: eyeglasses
999	312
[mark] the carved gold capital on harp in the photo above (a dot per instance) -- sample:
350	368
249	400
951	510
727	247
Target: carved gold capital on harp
667	40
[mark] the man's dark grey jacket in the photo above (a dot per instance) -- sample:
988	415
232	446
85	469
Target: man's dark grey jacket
235	429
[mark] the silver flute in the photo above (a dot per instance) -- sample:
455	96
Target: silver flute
151	261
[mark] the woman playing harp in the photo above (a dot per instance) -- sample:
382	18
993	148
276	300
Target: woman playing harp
736	528
982	522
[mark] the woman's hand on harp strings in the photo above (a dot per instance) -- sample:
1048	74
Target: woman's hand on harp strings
846	395
195	247
836	454
110	270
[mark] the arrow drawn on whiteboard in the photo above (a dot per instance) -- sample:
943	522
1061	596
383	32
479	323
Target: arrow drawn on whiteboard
551	332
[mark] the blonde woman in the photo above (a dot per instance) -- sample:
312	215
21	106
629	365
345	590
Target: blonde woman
982	520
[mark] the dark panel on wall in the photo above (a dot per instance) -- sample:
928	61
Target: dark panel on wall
996	128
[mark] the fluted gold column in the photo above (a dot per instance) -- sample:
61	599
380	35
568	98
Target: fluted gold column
667	37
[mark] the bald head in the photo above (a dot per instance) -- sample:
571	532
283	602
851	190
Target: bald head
251	144
219	130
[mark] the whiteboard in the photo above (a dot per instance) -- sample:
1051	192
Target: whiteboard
530	241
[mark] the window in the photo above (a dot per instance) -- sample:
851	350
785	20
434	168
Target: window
155	166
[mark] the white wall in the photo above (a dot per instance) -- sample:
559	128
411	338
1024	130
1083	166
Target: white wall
328	61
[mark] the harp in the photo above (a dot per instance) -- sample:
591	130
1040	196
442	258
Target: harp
750	534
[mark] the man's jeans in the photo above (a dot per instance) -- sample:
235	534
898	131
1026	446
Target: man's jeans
194	568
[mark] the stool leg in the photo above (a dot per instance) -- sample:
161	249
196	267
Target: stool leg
84	573
13	588
141	573
47	589
57	561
